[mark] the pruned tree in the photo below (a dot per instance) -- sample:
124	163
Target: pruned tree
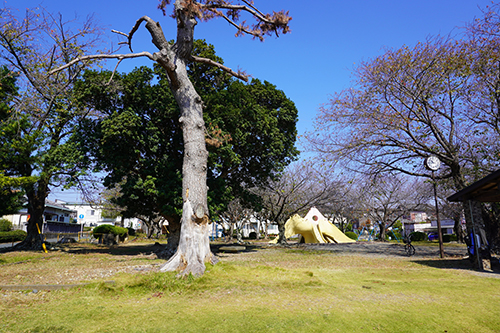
35	136
194	250
137	141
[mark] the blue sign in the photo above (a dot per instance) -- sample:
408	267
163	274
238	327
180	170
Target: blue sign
81	216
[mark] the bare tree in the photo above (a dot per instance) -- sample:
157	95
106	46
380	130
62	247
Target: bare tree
406	105
236	215
45	112
194	250
388	198
299	188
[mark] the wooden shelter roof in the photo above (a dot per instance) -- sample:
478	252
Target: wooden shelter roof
484	190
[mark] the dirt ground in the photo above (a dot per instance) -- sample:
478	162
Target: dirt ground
387	249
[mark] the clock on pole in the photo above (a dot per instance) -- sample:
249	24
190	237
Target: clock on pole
432	163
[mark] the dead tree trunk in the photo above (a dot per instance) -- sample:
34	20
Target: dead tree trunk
194	248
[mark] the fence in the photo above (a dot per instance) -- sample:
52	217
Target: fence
57	236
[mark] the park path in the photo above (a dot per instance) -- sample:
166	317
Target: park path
386	249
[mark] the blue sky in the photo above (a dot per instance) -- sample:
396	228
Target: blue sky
315	60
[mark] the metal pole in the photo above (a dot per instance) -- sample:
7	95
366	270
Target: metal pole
440	235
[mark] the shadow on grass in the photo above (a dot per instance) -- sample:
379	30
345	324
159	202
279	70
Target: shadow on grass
135	249
216	247
460	264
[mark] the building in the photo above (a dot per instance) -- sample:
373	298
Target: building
91	216
55	214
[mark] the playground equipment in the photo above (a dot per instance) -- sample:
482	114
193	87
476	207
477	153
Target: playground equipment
314	228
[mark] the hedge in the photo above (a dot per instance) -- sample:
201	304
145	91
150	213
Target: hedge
449	238
418	236
351	235
393	234
110	229
12	236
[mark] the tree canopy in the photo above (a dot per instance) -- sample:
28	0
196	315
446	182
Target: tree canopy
11	194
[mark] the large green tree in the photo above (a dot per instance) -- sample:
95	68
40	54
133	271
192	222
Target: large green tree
250	137
35	136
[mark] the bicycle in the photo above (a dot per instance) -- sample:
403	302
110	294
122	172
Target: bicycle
409	249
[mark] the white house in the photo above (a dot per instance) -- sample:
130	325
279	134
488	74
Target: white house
91	216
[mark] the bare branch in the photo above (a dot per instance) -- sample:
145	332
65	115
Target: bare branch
103	56
220	66
120	33
154	29
253	7
267	23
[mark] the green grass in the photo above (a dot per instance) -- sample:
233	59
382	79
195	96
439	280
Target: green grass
267	290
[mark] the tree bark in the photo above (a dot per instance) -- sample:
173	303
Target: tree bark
281	231
36	206
194	248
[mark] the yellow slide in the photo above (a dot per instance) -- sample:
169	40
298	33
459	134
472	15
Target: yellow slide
332	233
321	231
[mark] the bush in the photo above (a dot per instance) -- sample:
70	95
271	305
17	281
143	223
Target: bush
110	229
121	232
12	236
131	231
449	238
351	235
418	236
393	234
252	235
103	229
5	225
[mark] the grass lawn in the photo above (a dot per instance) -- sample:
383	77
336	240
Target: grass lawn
262	290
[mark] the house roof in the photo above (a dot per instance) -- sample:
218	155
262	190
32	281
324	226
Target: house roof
484	190
56	205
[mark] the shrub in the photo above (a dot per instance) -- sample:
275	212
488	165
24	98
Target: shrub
418	236
396	234
449	238
12	236
103	229
351	235
5	225
252	235
121	232
131	231
110	229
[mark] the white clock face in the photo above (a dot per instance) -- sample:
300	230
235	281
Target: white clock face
433	163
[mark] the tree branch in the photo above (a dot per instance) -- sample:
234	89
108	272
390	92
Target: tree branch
220	66
267	22
103	56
